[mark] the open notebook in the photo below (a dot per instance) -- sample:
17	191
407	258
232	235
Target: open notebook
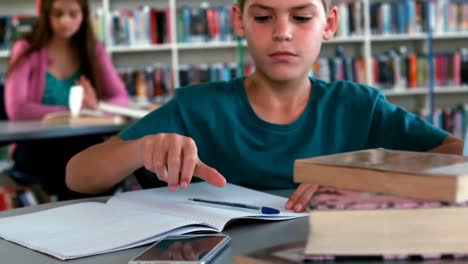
134	218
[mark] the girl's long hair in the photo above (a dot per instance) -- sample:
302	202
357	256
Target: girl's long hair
84	42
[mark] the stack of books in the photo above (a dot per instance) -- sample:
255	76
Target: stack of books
380	204
386	204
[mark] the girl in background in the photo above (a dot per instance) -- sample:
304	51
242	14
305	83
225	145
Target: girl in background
61	51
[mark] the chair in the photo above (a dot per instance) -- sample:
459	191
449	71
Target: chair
3	114
19	177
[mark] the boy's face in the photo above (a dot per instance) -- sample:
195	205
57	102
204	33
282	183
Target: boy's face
284	36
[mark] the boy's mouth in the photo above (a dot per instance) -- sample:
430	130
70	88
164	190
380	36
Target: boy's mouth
282	55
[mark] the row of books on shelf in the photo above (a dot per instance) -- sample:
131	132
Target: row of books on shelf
148	25
204	23
12	27
339	68
156	83
145	25
411	16
402	69
351	22
212	23
451	119
192	74
396	69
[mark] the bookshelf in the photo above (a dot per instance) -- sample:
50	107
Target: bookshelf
367	43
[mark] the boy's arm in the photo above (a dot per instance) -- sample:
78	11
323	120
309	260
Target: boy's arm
100	167
172	157
451	145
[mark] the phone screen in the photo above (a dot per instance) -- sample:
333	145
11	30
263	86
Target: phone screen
186	248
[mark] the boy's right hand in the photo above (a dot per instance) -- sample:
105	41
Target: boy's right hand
174	159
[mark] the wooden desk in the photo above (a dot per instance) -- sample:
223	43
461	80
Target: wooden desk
20	131
245	237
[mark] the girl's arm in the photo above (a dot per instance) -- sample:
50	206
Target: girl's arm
18	89
114	89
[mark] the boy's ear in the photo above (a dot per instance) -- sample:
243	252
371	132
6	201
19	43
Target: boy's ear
331	25
236	19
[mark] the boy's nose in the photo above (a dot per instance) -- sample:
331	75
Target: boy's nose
282	30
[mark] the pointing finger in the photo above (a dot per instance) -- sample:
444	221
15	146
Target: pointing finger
209	174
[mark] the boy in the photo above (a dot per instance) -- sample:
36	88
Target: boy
249	131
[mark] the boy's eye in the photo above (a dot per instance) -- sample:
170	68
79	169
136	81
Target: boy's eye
302	19
262	19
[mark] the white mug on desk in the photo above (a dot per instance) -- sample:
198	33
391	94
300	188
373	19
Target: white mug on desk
75	100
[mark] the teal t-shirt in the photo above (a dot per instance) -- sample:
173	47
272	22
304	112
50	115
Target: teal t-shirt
57	90
340	116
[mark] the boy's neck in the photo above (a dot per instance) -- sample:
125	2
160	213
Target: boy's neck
267	92
280	103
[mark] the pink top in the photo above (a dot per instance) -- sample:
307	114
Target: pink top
25	86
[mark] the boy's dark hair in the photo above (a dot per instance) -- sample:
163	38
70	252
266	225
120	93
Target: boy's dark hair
84	40
242	2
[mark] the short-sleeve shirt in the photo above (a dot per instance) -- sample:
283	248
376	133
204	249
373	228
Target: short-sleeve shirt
249	151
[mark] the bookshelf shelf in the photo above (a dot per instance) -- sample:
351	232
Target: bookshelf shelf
405	92
425	91
349	39
398	37
208	45
451	35
451	90
139	48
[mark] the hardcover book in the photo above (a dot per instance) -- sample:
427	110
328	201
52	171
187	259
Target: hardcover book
349	224
420	175
346	225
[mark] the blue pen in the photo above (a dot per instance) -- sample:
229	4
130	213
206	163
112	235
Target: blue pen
263	209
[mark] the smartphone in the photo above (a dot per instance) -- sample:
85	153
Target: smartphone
183	249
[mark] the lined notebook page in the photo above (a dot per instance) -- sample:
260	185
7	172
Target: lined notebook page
85	228
215	216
